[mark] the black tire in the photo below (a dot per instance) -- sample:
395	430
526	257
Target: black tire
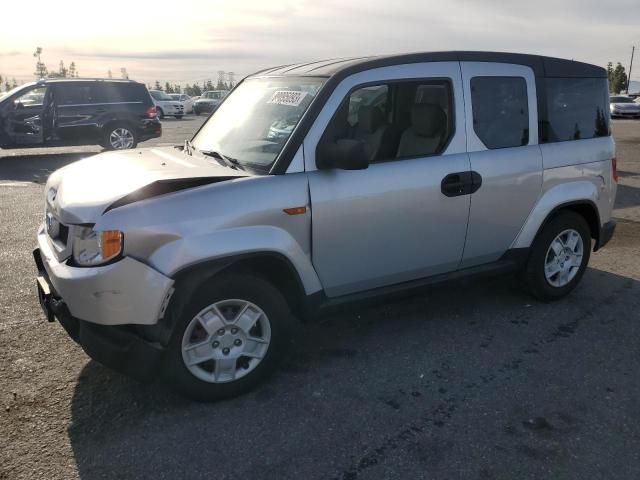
534	277
196	112
111	128
160	113
229	286
178	117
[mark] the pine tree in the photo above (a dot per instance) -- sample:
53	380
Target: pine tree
158	86
62	71
41	68
617	78
73	72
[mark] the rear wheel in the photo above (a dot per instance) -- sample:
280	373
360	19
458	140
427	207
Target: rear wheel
160	113
119	136
178	117
559	256
228	338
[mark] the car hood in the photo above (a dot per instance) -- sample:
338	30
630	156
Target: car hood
82	191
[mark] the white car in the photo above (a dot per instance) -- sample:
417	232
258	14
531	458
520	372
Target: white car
624	107
166	106
186	101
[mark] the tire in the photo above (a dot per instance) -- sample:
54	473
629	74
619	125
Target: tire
230	293
196	112
160	113
179	117
538	275
119	136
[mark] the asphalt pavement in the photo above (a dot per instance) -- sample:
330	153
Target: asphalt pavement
475	380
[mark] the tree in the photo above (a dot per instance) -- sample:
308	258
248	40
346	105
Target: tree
124	74
109	74
231	80
617	78
209	85
168	88
41	68
14	84
7	85
73	72
158	86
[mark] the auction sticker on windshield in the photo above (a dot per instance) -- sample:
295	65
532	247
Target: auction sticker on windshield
287	97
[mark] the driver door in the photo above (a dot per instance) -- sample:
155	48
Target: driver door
26	122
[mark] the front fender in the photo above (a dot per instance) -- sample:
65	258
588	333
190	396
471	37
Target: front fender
186	252
580	191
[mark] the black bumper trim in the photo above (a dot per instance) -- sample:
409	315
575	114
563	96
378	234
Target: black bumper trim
606	232
115	346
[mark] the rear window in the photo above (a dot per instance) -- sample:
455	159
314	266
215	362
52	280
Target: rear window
500	111
577	108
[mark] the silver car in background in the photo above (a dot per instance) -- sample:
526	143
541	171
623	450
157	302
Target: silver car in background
319	185
624	107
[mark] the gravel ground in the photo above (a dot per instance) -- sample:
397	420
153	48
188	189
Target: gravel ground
497	386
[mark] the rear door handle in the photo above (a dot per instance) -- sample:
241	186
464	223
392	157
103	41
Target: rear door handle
461	183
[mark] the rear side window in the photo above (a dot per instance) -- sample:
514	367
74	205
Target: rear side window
74	94
500	111
115	92
577	108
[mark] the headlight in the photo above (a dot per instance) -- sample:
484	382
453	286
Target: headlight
92	248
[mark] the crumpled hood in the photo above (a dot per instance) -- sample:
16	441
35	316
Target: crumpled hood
82	191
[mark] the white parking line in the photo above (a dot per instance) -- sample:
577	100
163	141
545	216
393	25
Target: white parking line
14	184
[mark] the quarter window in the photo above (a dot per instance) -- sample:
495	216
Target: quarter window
577	108
500	111
396	120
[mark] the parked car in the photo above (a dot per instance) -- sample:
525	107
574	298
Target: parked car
185	100
194	269
624	107
209	101
117	114
167	106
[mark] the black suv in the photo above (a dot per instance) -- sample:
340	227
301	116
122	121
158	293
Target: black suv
116	114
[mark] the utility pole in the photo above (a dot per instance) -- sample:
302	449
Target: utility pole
633	50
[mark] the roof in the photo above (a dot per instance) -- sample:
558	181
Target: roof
79	79
541	65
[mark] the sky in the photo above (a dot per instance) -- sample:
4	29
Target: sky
193	39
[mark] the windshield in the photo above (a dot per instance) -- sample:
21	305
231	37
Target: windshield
11	92
175	96
158	95
621	100
256	120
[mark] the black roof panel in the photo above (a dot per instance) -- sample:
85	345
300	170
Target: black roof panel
541	65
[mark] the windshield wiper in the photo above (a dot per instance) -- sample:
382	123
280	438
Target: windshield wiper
223	160
188	148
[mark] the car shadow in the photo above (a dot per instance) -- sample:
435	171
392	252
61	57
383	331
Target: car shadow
374	380
37	168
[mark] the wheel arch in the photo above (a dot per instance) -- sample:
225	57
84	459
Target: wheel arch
270	266
580	197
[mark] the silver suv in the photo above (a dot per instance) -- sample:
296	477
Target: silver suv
320	184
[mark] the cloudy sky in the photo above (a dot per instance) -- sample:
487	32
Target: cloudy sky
194	39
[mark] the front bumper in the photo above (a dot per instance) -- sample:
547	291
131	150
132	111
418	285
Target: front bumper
117	346
120	293
606	232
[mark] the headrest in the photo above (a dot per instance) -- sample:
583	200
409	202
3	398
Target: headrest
428	120
369	118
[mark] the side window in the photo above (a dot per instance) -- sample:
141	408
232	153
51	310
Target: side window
396	120
577	108
33	98
73	94
500	111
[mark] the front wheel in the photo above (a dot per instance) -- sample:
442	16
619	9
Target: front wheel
119	137
559	256
178	117
228	338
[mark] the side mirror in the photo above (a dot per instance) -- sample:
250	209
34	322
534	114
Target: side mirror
344	154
